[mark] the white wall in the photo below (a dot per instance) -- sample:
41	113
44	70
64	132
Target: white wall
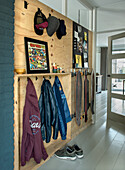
73	7
102	39
84	21
110	20
54	4
98	60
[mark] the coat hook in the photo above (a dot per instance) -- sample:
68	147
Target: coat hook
49	77
25	4
74	72
36	78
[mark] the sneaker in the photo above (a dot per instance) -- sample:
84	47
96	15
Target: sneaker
66	153
78	151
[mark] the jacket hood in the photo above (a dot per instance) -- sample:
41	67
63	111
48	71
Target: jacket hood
31	95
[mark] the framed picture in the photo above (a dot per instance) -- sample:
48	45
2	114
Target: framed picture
78	61
37	60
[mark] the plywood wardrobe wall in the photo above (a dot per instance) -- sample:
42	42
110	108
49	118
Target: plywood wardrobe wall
60	52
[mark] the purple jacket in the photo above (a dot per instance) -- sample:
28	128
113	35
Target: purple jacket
32	143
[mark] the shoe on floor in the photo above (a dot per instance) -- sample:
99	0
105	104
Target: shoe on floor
78	151
66	153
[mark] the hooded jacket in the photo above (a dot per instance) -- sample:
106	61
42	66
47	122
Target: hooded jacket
48	112
63	109
32	143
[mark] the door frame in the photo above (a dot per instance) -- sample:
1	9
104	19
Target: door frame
112	115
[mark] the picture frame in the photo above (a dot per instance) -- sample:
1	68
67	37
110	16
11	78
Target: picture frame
37	59
78	61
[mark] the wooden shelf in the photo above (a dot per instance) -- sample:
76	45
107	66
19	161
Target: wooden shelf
42	74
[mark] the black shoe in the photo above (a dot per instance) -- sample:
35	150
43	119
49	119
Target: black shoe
66	153
78	151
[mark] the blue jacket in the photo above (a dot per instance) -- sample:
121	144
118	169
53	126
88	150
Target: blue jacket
48	112
62	106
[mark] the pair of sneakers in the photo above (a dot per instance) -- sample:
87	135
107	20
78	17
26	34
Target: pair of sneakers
69	152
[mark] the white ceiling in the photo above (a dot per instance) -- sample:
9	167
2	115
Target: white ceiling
106	3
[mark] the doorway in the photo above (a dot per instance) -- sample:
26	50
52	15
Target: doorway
116	78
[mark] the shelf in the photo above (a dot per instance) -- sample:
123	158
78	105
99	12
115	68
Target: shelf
42	74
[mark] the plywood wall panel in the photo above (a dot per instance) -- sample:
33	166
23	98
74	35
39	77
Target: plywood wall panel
20	94
60	52
90	48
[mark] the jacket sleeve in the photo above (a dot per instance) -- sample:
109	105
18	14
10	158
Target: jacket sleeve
41	108
25	138
64	101
54	114
23	148
61	120
66	108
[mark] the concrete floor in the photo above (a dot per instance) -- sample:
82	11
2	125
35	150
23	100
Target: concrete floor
103	144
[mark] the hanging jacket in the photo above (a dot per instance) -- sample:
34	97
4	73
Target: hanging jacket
48	112
32	143
63	110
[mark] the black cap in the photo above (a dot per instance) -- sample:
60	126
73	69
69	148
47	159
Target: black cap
61	30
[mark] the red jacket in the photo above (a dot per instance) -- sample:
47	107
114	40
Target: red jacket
32	143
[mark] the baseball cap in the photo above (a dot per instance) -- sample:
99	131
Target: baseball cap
53	25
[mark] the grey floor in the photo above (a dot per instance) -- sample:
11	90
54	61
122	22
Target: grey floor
103	144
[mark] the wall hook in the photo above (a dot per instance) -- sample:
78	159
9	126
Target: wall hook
36	78
25	4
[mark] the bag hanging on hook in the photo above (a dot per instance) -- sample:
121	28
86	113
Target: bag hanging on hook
40	22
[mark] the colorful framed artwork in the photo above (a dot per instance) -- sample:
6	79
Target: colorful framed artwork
37	60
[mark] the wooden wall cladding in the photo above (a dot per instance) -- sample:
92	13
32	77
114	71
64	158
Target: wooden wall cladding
60	52
90	48
20	84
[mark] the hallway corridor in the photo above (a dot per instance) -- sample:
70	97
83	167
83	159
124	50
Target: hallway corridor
103	144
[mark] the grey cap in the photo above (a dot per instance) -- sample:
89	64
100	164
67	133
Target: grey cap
53	25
